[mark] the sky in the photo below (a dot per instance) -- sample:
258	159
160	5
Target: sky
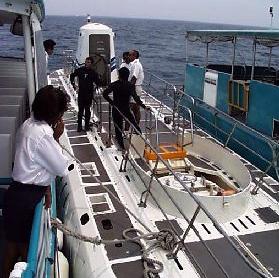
242	12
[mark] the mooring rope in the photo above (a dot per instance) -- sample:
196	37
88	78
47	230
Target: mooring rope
164	239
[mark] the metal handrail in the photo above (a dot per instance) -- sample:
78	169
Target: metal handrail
196	101
237	122
196	200
263	138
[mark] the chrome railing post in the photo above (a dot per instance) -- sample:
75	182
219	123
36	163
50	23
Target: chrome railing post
109	126
174	110
146	192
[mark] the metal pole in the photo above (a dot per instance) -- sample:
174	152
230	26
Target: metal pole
147	191
233	60
157	135
126	157
186	50
254	58
174	111
150	126
269	58
28	59
206	61
109	123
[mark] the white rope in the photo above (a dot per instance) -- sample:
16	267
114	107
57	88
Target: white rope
165	239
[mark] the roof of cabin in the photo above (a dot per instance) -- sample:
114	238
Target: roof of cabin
226	35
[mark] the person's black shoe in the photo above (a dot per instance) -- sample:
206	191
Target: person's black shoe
87	128
79	129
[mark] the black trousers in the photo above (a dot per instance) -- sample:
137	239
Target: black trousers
118	124
84	106
20	202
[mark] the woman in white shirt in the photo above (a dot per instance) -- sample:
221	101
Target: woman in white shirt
38	160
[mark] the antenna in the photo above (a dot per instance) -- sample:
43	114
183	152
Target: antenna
271	16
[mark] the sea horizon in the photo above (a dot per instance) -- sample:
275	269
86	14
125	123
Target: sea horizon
161	19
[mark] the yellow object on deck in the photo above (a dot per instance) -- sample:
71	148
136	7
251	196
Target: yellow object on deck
167	151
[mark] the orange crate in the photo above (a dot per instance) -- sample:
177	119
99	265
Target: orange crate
167	151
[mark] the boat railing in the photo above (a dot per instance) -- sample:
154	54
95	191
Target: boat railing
42	242
147	193
168	102
68	55
166	93
178	101
131	153
230	138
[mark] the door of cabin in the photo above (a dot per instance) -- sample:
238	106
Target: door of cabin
210	88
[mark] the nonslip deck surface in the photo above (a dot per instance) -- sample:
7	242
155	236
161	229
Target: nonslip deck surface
111	221
112	224
264	246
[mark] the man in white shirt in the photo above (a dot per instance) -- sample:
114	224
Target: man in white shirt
49	48
125	61
38	160
136	77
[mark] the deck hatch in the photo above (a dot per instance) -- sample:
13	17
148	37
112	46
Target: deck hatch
268	215
129	269
91	166
101	203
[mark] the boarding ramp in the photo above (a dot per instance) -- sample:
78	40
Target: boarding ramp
13	100
8	126
13	105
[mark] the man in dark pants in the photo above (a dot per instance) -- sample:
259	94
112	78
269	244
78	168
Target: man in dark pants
86	79
122	90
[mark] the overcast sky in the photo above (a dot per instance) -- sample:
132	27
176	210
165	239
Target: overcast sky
243	12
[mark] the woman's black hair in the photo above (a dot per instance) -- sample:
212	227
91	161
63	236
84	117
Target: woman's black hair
49	104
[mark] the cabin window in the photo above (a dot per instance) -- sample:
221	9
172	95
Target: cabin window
238	98
238	95
275	133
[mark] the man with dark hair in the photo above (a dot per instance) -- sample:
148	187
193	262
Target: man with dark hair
125	61
86	78
122	90
49	47
136	77
38	160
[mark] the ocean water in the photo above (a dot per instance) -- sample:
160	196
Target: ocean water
161	43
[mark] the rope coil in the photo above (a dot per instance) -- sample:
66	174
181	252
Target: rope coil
164	239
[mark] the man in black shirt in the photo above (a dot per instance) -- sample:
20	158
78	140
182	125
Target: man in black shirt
122	90
86	79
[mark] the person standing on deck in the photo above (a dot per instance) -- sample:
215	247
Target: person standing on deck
49	48
136	77
125	61
86	79
38	160
122	90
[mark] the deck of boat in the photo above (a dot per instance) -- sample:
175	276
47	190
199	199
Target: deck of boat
257	231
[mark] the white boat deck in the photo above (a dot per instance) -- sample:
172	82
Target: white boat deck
256	231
